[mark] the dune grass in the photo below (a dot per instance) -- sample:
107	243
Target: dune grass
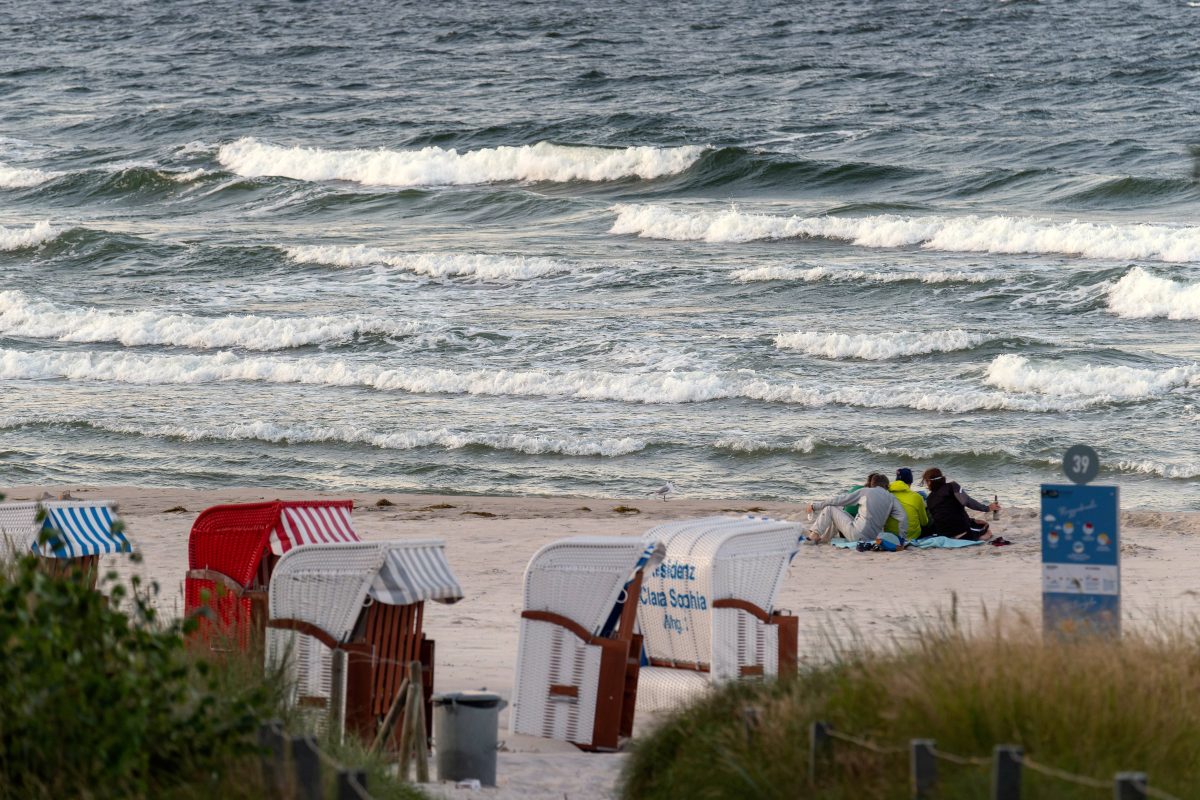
1091	706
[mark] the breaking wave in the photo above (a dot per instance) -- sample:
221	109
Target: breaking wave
21	238
434	265
878	347
748	444
1140	295
976	234
346	434
434	166
22	316
816	274
23	177
588	385
1016	374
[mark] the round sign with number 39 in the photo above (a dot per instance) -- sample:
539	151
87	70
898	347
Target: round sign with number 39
1081	463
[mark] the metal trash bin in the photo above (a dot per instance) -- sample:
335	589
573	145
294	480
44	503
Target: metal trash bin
465	735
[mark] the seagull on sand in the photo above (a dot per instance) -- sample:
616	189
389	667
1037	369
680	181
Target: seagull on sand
666	490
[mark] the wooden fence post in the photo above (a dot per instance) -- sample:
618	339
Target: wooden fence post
820	749
270	739
336	723
924	768
1006	772
1130	786
351	784
307	768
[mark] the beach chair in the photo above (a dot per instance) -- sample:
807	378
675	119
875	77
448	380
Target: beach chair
366	599
707	611
577	655
232	551
76	533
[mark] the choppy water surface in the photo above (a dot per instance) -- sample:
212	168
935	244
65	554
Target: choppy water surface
529	247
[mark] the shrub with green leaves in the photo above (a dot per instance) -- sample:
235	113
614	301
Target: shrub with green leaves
98	699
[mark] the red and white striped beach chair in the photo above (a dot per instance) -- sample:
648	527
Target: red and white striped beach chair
232	552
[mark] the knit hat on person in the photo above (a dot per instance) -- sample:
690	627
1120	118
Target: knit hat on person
905	475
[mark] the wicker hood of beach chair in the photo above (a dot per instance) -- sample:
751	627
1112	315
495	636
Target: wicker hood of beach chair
577	654
707	611
232	551
364	598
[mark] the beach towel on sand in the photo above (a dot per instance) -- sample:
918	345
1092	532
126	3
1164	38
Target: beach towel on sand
927	543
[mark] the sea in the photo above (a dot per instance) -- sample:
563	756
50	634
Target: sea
758	249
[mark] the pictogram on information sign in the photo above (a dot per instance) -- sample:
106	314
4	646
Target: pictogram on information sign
1081	558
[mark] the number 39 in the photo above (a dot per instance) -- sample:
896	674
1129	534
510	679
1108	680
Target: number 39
1080	464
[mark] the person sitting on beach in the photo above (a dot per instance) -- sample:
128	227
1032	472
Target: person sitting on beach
948	505
876	505
914	505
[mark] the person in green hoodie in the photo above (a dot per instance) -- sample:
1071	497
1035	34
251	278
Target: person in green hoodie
914	505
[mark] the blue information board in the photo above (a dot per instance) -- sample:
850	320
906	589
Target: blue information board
1081	559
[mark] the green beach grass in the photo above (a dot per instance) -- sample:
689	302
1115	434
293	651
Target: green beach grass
1091	706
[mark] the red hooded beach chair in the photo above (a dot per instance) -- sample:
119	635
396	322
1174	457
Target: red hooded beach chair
232	552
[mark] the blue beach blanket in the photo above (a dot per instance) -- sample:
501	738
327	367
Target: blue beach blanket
927	543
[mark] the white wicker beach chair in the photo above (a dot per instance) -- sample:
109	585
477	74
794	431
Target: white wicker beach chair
707	611
577	656
366	598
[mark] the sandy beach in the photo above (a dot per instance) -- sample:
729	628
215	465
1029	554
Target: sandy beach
489	540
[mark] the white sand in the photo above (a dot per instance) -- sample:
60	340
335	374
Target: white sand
877	595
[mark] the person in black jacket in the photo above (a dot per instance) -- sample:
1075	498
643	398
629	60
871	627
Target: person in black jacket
948	504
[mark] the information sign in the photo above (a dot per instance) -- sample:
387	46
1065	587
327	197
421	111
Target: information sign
1081	559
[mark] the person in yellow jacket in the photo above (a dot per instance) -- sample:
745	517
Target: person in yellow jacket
914	505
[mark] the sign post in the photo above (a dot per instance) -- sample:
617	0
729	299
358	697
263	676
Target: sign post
1081	551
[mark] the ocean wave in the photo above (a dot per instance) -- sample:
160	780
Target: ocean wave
748	444
878	347
1161	469
21	238
1140	295
832	275
23	177
586	385
971	233
22	316
530	444
434	166
1016	374
435	265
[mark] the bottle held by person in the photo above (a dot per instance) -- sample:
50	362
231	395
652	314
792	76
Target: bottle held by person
996	511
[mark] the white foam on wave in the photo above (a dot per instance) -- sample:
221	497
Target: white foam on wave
21	238
1140	295
435	166
880	346
23	177
531	444
588	385
435	265
1015	373
970	233
830	274
1161	469
21	315
749	444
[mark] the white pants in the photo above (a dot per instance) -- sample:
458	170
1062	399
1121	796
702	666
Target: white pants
831	520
